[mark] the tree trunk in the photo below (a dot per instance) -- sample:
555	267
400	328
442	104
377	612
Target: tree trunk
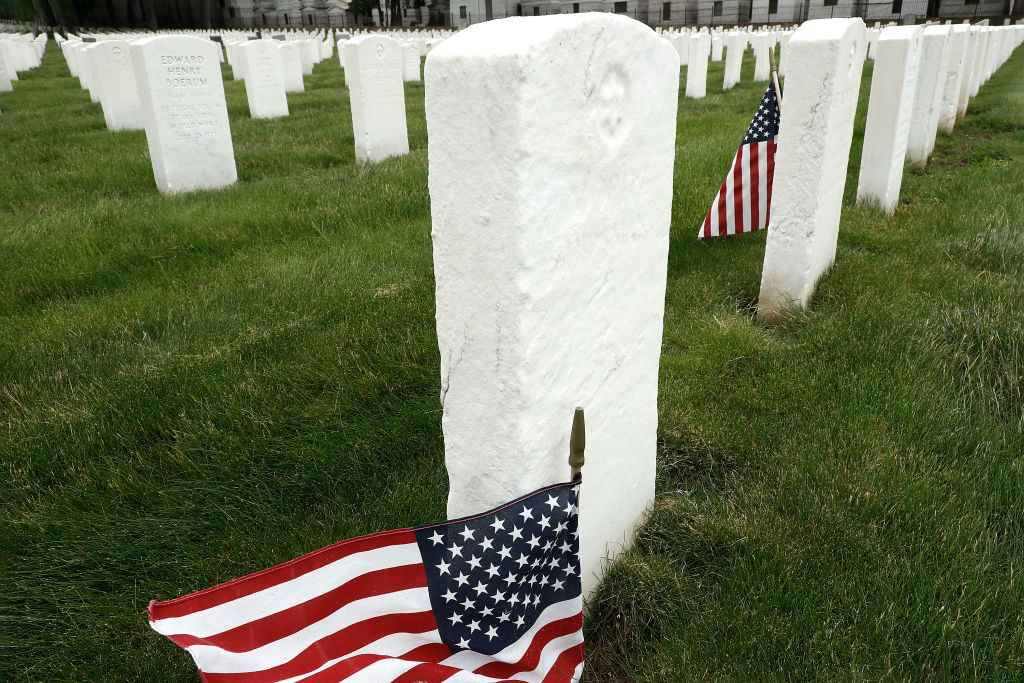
45	13
149	14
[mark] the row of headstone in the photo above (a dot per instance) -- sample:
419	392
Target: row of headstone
19	52
171	86
923	79
531	180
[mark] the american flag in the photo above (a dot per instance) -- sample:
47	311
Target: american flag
493	597
745	198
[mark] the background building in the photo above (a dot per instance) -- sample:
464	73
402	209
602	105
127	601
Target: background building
276	14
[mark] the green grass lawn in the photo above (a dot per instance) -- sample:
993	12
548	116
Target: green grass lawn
193	388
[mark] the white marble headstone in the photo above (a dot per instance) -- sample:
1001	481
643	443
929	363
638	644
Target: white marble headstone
697	65
5	75
186	116
931	80
410	63
826	57
737	45
291	62
954	76
373	65
893	86
551	148
264	79
119	92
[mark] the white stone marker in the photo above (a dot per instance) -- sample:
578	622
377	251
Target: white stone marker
5	77
783	54
931	79
88	54
893	86
697	65
734	59
185	112
681	42
119	93
410	63
264	79
973	45
954	76
823	82
717	46
309	54
551	145
762	67
376	91
292	65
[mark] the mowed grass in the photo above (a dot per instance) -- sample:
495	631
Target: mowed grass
197	387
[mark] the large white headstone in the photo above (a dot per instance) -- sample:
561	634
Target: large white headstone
958	44
931	80
697	65
762	67
264	79
970	64
373	65
551	145
893	86
5	75
185	112
292	65
122	108
826	57
734	59
9	59
410	63
92	80
783	54
681	42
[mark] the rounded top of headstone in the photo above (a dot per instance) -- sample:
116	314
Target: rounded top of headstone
901	33
828	29
182	41
515	35
935	29
376	39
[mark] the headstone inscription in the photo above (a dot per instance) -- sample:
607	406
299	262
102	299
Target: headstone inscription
186	116
550	262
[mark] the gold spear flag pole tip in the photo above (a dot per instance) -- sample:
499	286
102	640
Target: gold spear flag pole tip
577	443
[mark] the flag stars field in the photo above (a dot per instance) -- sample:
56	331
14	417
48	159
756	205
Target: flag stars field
478	604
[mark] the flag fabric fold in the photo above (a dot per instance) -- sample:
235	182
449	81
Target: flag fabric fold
492	597
743	203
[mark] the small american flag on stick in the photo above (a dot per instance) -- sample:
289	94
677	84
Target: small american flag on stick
493	597
744	201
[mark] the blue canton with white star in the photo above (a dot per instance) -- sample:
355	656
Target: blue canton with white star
765	125
490	576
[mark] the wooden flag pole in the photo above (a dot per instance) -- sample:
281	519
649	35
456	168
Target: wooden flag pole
775	75
577	442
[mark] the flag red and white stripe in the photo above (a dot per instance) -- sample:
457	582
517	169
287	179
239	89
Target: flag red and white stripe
365	610
743	203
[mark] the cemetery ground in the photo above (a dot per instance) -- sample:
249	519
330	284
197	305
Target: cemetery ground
196	387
